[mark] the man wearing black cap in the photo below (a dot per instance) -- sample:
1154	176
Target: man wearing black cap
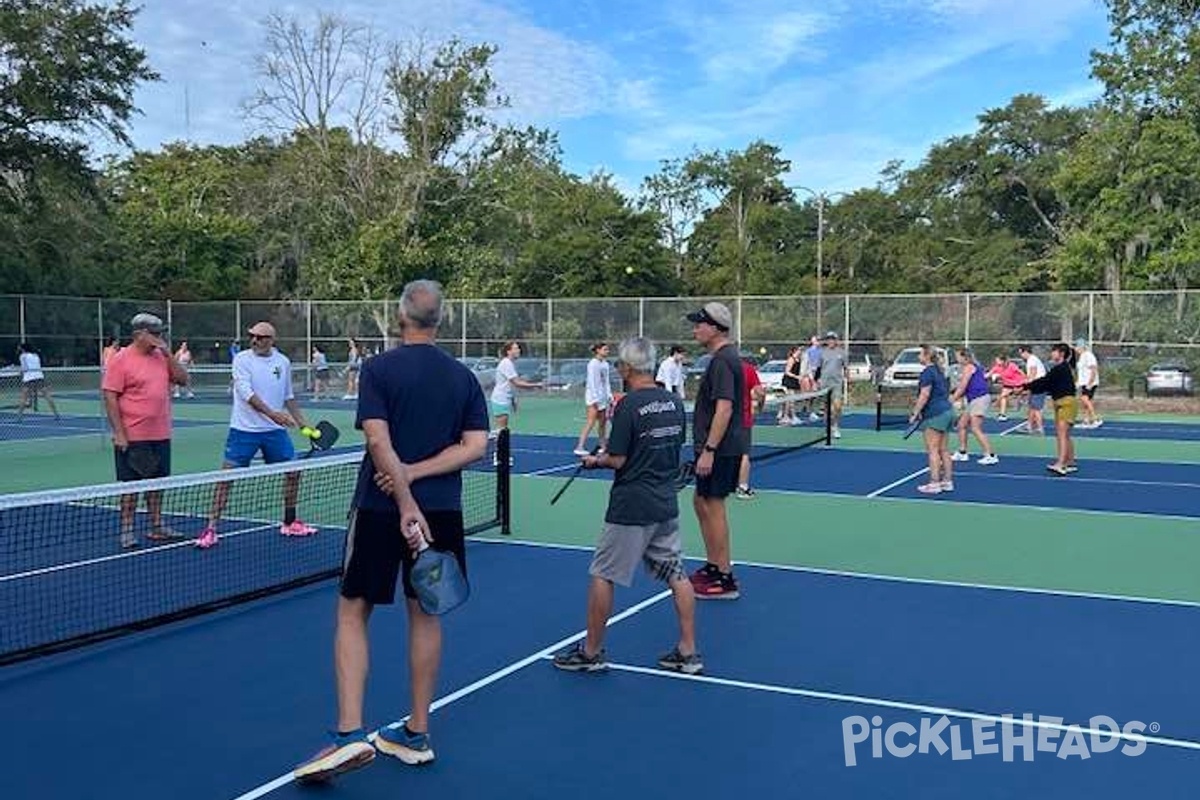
719	445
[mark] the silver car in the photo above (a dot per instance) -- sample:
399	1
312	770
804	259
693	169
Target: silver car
1169	378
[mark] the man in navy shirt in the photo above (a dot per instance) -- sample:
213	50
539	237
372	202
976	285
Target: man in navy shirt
416	451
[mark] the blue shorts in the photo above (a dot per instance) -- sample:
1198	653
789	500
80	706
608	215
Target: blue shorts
1037	402
242	446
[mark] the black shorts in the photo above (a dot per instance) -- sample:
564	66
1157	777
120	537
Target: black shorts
142	460
1088	391
722	481
376	553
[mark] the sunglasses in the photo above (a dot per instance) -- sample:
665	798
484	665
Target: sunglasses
254	336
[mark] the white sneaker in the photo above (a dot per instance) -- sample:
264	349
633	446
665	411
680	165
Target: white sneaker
814	417
947	486
988	460
1002	418
958	455
837	433
1097	423
579	451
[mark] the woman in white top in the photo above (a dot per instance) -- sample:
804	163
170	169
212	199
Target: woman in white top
504	395
33	380
354	359
670	372
598	397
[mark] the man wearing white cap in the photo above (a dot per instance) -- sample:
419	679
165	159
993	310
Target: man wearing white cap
1087	378
719	445
262	390
137	399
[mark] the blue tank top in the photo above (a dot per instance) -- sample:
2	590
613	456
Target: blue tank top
977	386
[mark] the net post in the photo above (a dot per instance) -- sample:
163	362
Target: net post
504	481
878	407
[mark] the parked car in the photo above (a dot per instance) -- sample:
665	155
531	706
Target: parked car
1169	378
771	375
860	369
569	374
906	370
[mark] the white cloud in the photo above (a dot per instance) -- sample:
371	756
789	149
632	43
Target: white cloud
675	139
736	41
1079	95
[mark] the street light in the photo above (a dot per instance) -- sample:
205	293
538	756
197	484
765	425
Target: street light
822	198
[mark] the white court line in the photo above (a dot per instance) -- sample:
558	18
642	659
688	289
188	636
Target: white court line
901	482
875	576
1022	424
898	705
483	682
161	548
1075	479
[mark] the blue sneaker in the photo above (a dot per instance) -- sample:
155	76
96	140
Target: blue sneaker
411	748
344	753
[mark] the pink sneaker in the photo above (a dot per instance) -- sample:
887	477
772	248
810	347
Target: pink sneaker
297	528
208	538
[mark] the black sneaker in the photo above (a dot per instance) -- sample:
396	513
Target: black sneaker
576	660
706	574
678	662
723	587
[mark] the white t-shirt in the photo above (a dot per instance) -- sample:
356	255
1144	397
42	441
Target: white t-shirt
1086	365
31	368
269	378
670	374
599	391
506	373
1034	368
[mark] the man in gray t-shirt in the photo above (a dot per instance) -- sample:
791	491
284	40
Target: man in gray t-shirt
833	377
642	522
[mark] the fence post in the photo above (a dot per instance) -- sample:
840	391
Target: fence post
237	321
463	331
1091	318
170	319
967	320
21	317
642	317
738	321
100	330
308	342
387	324
846	324
549	337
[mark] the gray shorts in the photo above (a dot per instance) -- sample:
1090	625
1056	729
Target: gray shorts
837	386
979	406
622	547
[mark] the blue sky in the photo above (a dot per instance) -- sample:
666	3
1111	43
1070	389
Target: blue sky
843	86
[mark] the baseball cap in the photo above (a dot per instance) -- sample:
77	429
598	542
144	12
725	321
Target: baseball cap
713	314
147	322
831	335
1081	342
262	329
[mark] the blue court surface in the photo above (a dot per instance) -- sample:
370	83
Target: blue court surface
1015	425
802	675
1138	487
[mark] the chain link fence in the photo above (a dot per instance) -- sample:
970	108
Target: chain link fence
1130	331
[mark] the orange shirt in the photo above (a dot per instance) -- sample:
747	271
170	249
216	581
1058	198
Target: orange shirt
142	383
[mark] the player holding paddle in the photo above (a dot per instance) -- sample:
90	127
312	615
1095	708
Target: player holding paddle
934	413
642	521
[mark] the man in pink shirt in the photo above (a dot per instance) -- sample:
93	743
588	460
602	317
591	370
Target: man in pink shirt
137	397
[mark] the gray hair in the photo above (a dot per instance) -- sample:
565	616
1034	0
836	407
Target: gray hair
639	354
421	304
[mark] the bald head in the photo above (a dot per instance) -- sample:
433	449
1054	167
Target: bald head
421	305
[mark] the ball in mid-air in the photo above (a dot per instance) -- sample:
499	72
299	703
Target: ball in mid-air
629	270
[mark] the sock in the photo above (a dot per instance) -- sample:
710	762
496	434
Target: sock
289	515
349	734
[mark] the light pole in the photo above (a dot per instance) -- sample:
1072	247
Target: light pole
822	198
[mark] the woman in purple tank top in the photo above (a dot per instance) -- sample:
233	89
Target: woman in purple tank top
973	387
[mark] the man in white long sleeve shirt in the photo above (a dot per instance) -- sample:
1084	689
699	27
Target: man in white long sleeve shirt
670	372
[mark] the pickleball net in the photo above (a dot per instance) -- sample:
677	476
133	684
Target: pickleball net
893	405
67	580
789	422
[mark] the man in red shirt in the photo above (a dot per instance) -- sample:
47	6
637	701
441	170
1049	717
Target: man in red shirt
137	397
752	403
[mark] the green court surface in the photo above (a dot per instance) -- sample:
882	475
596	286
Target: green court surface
1059	546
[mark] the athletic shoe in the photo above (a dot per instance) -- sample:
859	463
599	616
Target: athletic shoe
723	587
837	433
930	488
128	540
678	662
1097	423
410	747
576	660
207	538
297	528
579	451
947	486
164	533
344	753
705	575
744	493
814	417
1002	418
989	459
959	455
1071	468
1056	469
